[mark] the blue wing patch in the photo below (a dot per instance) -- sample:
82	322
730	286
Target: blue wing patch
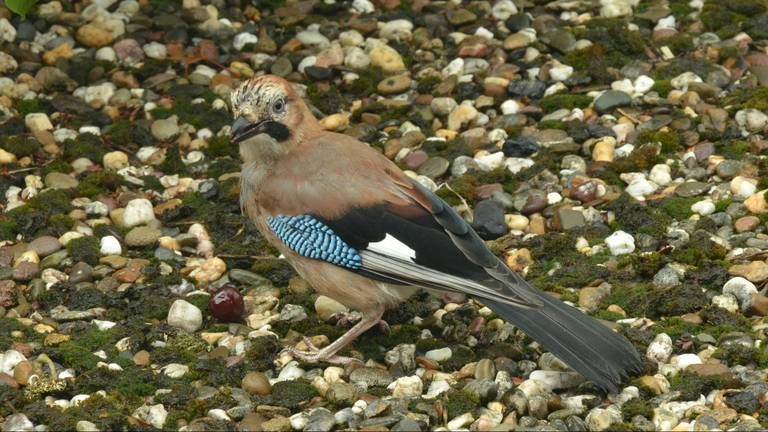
311	238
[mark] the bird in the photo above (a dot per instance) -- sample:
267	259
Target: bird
365	234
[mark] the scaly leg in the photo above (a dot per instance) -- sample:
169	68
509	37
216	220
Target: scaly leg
328	354
346	318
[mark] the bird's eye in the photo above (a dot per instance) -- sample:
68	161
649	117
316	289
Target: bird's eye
278	106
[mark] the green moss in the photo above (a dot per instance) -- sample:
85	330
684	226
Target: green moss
276	270
594	61
461	355
740	355
262	352
366	84
29	106
552	124
57	165
291	394
735	149
220	146
71	354
758	100
643	158
99	182
457	402
54	201
8	229
10	325
669	141
568	101
86	249
199	115
130	381
692	385
662	87
637	406
678	207
718	15
427	344
635	217
20	146
86	145
614	35
608	315
723	204
681	9
717	316
327	101
428	83
698	249
172	164
679	43
129	135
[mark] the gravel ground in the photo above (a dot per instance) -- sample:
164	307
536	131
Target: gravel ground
612	151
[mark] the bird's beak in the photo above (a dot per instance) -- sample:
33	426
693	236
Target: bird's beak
242	129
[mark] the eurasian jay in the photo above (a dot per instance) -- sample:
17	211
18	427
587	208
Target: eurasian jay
363	233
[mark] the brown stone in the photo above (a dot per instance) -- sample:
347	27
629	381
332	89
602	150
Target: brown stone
760	304
22	372
141	358
8	380
256	383
756	271
746	223
710	369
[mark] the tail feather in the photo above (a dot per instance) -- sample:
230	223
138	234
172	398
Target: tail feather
589	347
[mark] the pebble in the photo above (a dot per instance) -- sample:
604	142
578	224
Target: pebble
256	383
660	348
407	386
110	245
742	289
620	243
611	99
185	315
387	59
138	212
142	236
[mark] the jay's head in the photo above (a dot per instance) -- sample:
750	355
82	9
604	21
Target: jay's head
267	105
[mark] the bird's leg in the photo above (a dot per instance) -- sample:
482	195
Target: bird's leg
346	318
328	354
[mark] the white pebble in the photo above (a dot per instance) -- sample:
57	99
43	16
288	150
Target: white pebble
138	211
660	349
439	355
704	207
742	289
661	174
620	243
243	39
643	83
407	386
510	106
110	245
185	315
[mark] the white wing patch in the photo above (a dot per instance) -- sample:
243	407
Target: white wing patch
394	248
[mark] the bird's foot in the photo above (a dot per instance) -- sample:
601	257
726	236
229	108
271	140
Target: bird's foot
314	354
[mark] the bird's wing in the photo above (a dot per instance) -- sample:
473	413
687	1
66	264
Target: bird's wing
350	206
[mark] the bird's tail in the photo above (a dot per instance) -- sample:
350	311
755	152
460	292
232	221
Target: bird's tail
589	347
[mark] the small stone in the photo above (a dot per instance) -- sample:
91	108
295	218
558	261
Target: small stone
386	58
185	315
327	307
611	99
600	419
45	245
590	297
38	122
394	84
439	355
461	115
604	150
407	386
165	129
110	245
141	358
370	377
243	39
742	289
755	271
620	243
752	120
138	212
17	423
142	236
256	383
94	35
489	220
660	349
756	203
209	270
691	189
115	160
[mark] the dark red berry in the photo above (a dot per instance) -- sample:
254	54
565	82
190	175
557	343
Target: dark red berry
227	305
